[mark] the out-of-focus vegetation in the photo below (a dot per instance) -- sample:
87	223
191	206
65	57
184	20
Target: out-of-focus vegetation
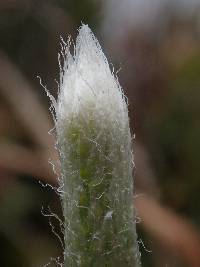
160	63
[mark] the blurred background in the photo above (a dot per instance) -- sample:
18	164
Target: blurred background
155	48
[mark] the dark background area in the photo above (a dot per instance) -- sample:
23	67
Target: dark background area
155	45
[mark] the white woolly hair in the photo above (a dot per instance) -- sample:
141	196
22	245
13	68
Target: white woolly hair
95	149
87	82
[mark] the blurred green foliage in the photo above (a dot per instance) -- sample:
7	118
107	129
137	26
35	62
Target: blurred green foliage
175	139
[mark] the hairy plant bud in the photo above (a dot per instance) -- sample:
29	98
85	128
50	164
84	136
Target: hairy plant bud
95	148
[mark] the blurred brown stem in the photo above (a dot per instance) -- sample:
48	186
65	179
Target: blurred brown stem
14	158
176	234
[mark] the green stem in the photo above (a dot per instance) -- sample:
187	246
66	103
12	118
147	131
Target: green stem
98	196
96	160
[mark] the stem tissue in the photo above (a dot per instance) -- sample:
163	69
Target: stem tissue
95	147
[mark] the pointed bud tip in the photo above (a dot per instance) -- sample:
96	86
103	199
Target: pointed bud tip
88	82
